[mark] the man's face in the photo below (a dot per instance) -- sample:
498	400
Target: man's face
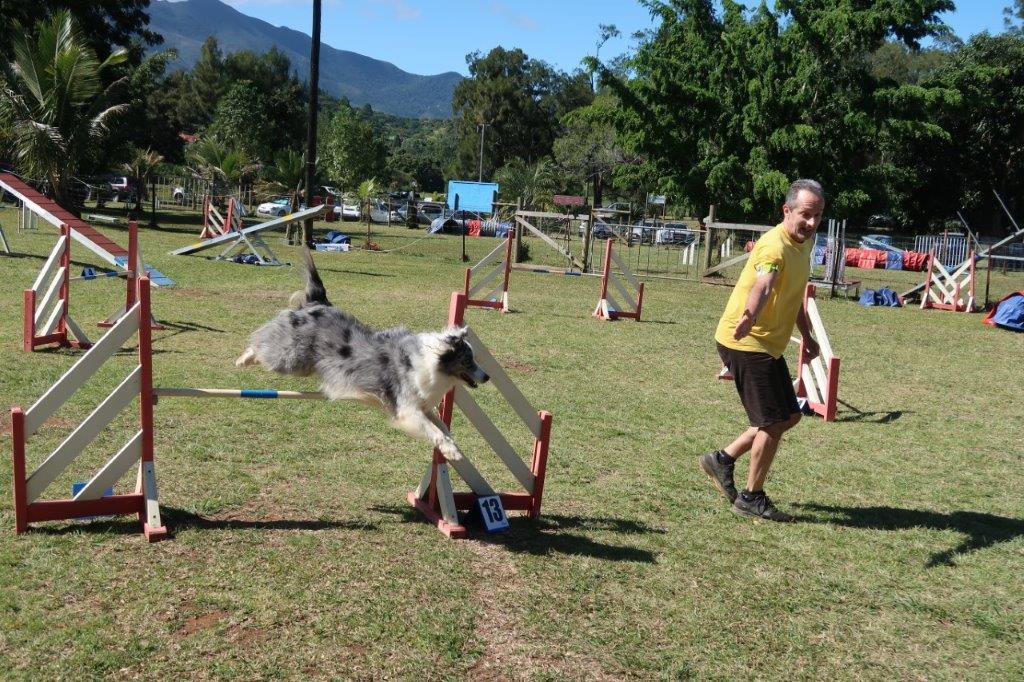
801	221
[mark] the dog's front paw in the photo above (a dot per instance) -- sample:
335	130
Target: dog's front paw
451	452
246	358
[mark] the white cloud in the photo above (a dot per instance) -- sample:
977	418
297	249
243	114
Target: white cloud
517	18
401	9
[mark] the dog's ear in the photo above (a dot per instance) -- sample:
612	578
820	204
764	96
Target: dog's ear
453	335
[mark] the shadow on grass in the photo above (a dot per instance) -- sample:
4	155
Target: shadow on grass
342	271
178	519
981	530
176	328
870	417
547	534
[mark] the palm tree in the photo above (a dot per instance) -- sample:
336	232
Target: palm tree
285	174
534	184
366	191
141	168
221	167
54	97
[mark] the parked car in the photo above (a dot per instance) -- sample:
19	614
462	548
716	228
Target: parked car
347	210
275	207
677	234
643	232
379	212
601	230
614	210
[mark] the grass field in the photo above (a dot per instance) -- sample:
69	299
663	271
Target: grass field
294	554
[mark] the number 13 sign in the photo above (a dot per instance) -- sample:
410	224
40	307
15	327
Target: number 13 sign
492	513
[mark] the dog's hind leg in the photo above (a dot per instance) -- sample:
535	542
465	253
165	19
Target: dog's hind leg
246	358
428	427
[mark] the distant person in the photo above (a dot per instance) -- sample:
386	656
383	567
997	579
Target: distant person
751	338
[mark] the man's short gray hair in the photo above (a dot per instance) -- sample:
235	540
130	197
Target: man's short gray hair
812	186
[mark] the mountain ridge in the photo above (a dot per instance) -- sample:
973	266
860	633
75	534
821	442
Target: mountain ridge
360	79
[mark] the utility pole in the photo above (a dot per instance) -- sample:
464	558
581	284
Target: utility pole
481	127
314	92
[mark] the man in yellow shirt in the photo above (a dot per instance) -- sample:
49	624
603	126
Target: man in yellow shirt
751	338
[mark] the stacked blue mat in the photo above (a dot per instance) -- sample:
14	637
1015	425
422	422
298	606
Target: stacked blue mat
882	297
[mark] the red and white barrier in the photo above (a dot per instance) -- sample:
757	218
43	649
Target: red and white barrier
434	496
818	379
497	297
949	291
90	500
45	318
214	224
628	288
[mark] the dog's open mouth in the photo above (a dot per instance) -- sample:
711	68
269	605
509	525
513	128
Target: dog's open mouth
469	380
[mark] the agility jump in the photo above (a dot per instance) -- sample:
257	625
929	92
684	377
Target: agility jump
497	297
46	319
630	291
818	379
214	224
434	495
90	500
249	238
949	291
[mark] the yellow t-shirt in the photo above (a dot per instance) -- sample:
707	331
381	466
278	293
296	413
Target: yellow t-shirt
776	250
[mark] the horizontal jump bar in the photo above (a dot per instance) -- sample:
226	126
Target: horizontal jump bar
253	393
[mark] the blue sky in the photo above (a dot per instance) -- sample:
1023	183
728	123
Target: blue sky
433	36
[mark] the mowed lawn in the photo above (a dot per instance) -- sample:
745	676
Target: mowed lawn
295	555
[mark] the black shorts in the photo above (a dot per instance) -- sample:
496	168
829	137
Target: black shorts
764	385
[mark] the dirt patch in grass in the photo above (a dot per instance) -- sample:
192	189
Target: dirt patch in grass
201	623
508	363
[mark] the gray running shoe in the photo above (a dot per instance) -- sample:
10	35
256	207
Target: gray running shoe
759	507
720	474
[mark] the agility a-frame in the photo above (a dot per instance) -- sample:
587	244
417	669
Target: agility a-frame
92	499
434	496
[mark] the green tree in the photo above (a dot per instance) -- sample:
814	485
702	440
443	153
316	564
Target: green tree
588	149
141	168
730	108
242	121
106	25
987	134
351	150
520	100
56	103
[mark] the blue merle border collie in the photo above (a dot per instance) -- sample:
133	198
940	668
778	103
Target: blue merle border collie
404	373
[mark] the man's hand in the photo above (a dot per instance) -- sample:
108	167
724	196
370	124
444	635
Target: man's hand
743	328
811	349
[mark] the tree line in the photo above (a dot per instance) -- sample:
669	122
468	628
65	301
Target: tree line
717	104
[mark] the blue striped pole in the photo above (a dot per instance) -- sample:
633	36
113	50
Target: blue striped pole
249	393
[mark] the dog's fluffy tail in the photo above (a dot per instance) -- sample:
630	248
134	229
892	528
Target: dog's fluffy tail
315	293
